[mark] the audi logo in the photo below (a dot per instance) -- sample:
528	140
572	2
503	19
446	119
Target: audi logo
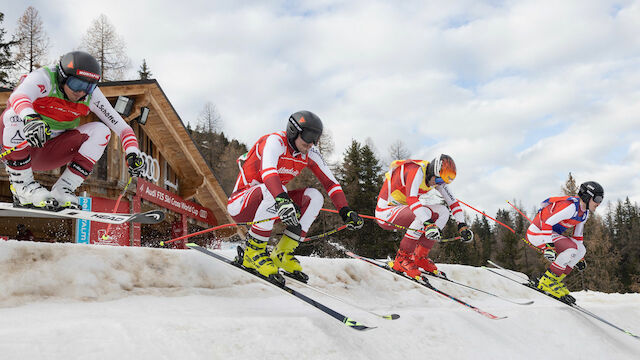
151	168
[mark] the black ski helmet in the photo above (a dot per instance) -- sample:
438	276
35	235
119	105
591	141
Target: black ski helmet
80	65
591	190
306	124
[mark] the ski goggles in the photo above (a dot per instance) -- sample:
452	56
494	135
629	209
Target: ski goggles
598	199
310	136
77	84
446	176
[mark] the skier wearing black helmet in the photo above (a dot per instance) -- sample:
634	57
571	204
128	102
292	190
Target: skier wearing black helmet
556	215
45	110
260	193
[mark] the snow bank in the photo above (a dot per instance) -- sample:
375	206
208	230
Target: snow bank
61	301
37	271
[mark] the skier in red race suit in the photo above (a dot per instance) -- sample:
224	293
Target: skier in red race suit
260	193
556	215
399	203
45	110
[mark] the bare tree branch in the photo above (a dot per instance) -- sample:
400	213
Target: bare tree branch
33	42
102	41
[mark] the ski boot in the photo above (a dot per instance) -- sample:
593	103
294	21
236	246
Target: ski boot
256	258
63	190
283	258
552	284
27	192
404	263
421	257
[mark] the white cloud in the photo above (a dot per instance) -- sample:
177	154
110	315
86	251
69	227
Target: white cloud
520	93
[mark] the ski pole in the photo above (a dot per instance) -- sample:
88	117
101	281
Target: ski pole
530	222
325	234
216	228
9	151
521	213
375	218
396	225
487	216
506	226
115	208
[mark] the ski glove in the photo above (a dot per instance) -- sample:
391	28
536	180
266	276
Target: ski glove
465	232
351	218
36	131
581	265
431	231
287	210
135	164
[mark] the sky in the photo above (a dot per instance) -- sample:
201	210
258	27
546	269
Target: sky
519	93
70	301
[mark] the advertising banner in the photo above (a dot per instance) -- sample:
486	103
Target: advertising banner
83	227
171	201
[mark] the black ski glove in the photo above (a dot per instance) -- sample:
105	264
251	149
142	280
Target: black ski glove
581	265
287	210
135	164
36	131
465	232
351	218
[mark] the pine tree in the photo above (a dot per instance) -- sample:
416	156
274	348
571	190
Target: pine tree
144	73
507	242
624	228
361	177
570	188
483	234
6	63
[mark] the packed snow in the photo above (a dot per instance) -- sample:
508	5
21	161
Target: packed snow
67	301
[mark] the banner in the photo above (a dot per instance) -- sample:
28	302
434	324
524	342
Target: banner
171	201
83	227
118	233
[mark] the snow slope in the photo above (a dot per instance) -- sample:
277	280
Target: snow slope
65	301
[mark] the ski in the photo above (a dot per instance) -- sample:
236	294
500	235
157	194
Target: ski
149	217
327	310
423	281
424	273
302	283
531	285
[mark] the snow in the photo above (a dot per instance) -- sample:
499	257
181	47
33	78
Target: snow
67	301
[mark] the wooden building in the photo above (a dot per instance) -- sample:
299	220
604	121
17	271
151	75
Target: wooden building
177	179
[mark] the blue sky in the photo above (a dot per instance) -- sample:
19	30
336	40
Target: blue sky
520	93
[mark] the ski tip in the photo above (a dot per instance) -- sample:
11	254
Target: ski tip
191	245
391	317
356	325
149	217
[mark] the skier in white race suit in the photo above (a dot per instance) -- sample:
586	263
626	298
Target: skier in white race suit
45	109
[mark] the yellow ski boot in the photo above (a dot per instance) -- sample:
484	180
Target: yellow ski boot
552	284
283	258
256	257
